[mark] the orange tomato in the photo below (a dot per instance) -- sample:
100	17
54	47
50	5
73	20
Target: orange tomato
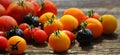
46	16
59	41
77	13
95	26
52	26
16	45
109	23
69	22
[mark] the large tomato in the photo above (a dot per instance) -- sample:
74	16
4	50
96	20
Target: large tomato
59	41
3	43
7	22
5	3
16	45
19	10
47	6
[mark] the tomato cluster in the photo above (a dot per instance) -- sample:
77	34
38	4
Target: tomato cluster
24	21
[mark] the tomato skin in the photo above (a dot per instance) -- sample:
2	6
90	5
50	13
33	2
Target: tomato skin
23	26
5	3
16	45
19	12
2	34
3	43
59	41
70	35
48	7
28	34
2	10
40	36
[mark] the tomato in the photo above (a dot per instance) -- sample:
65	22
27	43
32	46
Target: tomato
35	29
47	6
59	41
93	14
3	43
70	35
28	34
2	10
6	22
5	3
23	26
2	34
77	13
109	23
40	36
16	45
69	22
52	25
19	10
95	26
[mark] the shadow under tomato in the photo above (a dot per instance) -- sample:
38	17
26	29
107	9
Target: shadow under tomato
112	36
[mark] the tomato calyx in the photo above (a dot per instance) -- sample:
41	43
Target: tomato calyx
83	24
20	3
14	46
100	19
90	13
50	21
57	33
42	4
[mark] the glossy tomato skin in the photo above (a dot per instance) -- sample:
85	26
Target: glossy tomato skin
48	6
5	3
40	36
19	11
3	43
28	34
6	22
84	39
23	26
2	34
70	35
2	10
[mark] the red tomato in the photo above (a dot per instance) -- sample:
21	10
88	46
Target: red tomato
2	34
40	36
28	34
35	29
3	43
5	3
23	26
70	35
19	11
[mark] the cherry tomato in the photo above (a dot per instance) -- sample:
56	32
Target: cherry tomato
23	26
40	36
2	34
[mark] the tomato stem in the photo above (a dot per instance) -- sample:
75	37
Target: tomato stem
83	24
21	3
90	13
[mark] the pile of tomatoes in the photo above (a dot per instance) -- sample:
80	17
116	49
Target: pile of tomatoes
24	21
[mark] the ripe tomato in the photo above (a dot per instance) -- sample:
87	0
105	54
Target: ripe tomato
6	22
95	26
46	16
59	41
70	35
69	22
35	29
19	10
47	6
40	36
93	14
77	13
5	3
2	10
2	34
23	26
28	34
52	26
109	23
3	43
16	45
